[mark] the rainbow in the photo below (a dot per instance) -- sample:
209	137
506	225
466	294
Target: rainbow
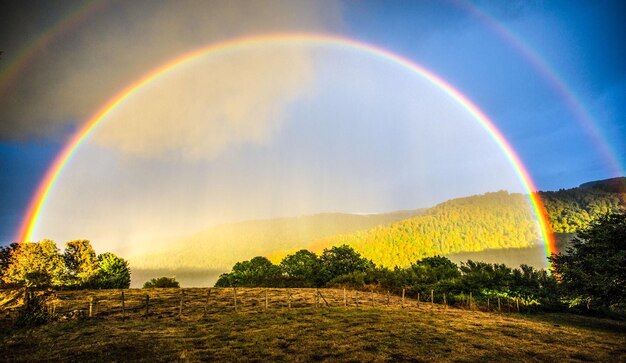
582	115
46	186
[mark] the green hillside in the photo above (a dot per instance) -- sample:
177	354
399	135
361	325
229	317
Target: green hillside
489	221
495	227
221	246
572	209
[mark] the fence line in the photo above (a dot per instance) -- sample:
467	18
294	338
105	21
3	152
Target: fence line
194	301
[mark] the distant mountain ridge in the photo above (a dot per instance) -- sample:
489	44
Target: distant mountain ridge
613	185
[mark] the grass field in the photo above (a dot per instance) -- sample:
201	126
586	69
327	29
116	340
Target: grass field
304	332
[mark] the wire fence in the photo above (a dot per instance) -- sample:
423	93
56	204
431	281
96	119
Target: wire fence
187	302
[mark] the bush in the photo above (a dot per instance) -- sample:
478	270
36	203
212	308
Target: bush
161	282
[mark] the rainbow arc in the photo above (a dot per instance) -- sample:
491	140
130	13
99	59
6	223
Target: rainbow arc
30	220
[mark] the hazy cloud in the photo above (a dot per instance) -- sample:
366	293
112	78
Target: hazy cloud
199	109
81	69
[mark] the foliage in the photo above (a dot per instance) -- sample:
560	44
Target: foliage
40	265
572	210
81	263
303	269
113	272
161	282
5	258
343	260
493	220
593	272
343	266
259	271
35	264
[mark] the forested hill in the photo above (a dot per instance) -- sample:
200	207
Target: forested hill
489	221
572	209
221	246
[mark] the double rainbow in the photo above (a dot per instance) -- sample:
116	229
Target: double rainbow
46	186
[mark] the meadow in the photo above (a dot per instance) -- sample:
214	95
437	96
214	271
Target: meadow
359	329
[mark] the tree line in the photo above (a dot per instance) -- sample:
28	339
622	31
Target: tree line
590	275
42	265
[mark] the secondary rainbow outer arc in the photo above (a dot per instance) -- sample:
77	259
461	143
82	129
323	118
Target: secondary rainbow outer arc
582	115
45	187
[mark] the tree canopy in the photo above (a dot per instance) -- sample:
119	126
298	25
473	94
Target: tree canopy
40	265
593	271
161	282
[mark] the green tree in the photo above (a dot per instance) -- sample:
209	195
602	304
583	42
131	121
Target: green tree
161	282
479	277
433	269
593	271
35	264
259	271
303	269
343	260
81	263
113	272
5	258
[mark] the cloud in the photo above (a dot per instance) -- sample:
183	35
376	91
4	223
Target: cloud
197	110
81	69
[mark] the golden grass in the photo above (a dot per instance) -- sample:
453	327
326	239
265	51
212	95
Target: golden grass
304	333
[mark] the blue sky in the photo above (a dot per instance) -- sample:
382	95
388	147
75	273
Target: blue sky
580	41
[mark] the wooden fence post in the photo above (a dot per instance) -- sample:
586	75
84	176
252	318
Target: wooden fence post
345	298
372	298
320	296
317	298
266	300
147	304
432	298
517	303
488	304
206	303
123	307
403	297
445	301
180	306
91	307
469	301
388	298
235	297
418	299
289	297
499	308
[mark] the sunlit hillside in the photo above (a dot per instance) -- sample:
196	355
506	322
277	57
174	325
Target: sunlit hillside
572	209
493	220
496	227
221	246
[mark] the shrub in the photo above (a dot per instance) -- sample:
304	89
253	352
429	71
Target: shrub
161	282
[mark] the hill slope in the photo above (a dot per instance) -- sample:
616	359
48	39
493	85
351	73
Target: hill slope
221	246
495	227
572	209
489	221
